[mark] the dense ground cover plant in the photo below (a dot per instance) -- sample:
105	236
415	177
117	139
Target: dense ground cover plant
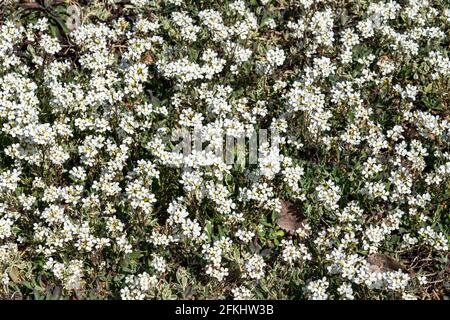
348	200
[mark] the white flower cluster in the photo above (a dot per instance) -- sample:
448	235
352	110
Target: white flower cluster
329	194
254	267
241	293
317	290
293	253
138	287
151	151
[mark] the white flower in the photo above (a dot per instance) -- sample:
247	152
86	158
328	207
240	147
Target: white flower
50	44
275	57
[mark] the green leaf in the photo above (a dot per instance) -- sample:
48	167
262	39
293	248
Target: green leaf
428	88
280	233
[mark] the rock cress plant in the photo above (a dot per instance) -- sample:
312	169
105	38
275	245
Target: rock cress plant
95	203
